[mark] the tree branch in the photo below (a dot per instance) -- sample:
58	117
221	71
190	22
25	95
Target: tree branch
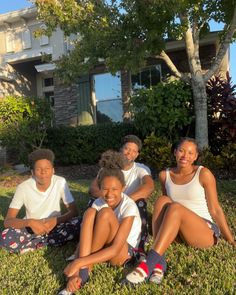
182	76
224	45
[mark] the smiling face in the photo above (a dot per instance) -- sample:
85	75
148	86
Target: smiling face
186	153
111	189
130	151
43	172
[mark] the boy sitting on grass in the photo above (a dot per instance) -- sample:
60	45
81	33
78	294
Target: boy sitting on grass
40	195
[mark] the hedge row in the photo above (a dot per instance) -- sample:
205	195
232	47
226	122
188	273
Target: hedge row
84	144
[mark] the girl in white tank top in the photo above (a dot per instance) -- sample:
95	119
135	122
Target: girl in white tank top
188	209
191	195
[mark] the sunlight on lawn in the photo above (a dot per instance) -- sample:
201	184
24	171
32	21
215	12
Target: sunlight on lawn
190	271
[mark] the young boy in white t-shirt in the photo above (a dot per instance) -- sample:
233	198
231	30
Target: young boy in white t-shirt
40	195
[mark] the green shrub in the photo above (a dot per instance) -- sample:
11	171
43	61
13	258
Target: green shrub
24	122
221	112
84	144
228	155
207	159
156	153
224	164
165	110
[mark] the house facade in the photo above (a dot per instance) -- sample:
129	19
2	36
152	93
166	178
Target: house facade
94	98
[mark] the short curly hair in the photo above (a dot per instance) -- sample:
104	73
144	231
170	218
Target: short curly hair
111	164
40	154
134	139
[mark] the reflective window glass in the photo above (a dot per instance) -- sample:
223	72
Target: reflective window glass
147	77
108	97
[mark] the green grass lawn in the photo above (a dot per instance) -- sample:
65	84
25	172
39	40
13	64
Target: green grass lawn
190	271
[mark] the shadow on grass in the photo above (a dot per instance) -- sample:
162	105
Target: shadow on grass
81	200
4	204
56	259
56	256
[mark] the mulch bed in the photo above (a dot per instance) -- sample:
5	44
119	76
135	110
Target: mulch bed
11	179
75	172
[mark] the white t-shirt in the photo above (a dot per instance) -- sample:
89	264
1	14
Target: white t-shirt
134	176
38	204
127	207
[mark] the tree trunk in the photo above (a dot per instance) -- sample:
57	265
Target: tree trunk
126	92
200	107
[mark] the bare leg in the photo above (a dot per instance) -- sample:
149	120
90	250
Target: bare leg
97	232
173	220
105	230
83	248
86	234
159	210
169	220
192	228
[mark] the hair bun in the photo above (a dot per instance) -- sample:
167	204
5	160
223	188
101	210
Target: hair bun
112	160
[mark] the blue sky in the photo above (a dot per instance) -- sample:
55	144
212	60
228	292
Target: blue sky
10	5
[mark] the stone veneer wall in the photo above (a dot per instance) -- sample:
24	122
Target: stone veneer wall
65	104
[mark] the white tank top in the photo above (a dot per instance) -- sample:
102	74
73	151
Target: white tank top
191	195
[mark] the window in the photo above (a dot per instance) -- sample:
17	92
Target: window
26	39
48	82
147	77
108	97
44	40
50	97
48	89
